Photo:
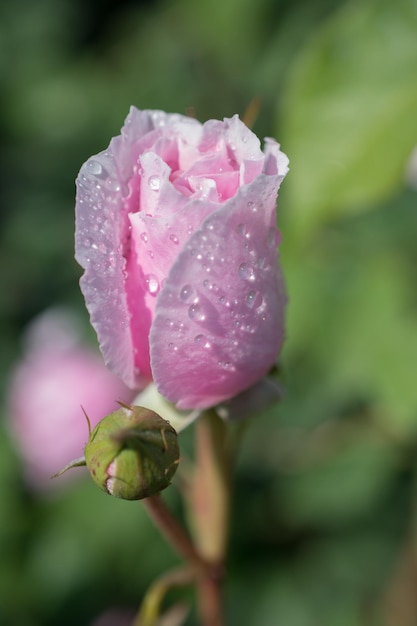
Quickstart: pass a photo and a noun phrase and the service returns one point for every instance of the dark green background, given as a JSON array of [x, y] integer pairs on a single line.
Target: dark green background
[[325, 531]]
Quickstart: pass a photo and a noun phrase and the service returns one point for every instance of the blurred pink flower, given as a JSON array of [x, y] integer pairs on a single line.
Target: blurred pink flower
[[55, 378], [176, 230]]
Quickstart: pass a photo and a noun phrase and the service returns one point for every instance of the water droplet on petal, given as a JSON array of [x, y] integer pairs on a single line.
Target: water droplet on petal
[[254, 299], [154, 183], [246, 272], [174, 239], [198, 338], [152, 283], [272, 238], [144, 237], [113, 185], [241, 229], [186, 293], [196, 313], [95, 167]]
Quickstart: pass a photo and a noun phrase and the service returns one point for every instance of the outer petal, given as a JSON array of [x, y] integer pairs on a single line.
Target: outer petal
[[219, 316], [104, 200], [101, 227]]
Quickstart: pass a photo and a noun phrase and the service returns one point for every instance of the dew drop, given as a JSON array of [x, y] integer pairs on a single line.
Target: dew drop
[[241, 229], [172, 346], [174, 239], [186, 293], [102, 247], [151, 254], [113, 185], [246, 272], [254, 299], [198, 338], [144, 237], [206, 282], [196, 313], [154, 183], [152, 283], [272, 237], [95, 167]]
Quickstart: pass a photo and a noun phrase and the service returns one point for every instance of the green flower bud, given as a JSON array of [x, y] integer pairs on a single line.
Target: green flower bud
[[132, 453]]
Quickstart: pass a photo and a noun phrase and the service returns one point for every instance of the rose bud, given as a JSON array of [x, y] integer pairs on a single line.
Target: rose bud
[[176, 231], [55, 377], [132, 453]]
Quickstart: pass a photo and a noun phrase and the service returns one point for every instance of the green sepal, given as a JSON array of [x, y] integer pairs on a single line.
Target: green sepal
[[80, 462]]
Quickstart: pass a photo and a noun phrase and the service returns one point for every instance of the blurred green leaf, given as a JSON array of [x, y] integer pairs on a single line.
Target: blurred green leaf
[[338, 474], [350, 119]]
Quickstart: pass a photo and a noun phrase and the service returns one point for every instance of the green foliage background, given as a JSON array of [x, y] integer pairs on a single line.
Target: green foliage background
[[325, 530]]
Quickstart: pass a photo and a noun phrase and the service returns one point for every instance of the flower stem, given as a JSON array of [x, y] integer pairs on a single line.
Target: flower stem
[[208, 500], [173, 532], [210, 600], [209, 507]]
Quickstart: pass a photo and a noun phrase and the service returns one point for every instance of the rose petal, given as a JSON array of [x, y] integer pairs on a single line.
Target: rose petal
[[219, 316], [276, 162], [101, 225], [155, 244], [106, 194]]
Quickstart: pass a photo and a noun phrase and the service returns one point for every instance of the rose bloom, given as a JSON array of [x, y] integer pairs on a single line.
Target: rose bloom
[[55, 378], [176, 230]]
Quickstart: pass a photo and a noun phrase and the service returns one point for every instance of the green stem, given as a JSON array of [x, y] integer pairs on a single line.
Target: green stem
[[173, 532], [209, 507], [208, 499]]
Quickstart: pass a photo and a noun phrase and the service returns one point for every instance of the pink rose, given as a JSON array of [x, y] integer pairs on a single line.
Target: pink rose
[[176, 230], [55, 378]]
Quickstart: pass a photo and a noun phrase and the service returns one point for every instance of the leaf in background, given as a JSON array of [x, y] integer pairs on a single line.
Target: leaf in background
[[350, 120]]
